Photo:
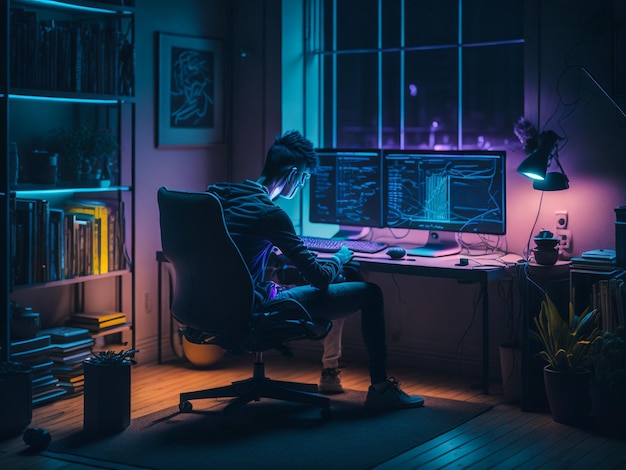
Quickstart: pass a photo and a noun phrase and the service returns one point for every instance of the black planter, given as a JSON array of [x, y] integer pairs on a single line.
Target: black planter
[[106, 398], [568, 395], [16, 402]]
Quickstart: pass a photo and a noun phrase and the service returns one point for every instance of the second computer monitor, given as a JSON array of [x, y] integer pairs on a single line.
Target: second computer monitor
[[445, 192], [346, 190]]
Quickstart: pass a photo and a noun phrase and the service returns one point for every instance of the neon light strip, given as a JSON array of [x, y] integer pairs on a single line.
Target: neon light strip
[[70, 6], [65, 100]]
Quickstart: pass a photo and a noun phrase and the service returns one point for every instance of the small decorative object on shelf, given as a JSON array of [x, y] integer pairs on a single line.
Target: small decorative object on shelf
[[107, 391], [85, 154]]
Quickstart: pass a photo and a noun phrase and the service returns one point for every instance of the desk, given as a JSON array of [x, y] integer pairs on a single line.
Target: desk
[[445, 267], [442, 267]]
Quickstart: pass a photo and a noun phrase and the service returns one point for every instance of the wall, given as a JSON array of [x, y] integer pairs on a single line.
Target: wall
[[176, 168]]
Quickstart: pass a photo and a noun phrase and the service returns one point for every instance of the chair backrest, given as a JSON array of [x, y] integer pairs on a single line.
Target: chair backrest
[[213, 288]]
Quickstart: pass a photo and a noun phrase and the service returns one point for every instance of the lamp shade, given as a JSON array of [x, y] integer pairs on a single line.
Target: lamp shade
[[536, 163], [553, 181]]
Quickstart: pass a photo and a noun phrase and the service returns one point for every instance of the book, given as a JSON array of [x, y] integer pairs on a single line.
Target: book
[[65, 334], [96, 321], [65, 348], [99, 213], [30, 344], [71, 357]]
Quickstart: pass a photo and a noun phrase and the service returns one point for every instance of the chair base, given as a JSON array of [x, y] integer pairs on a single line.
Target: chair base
[[256, 387]]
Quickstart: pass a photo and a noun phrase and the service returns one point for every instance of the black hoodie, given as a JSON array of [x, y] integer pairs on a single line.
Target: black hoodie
[[257, 225]]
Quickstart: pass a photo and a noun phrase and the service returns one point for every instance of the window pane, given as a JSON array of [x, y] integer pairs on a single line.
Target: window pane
[[391, 111], [357, 24], [431, 99], [495, 20], [357, 100], [391, 21], [431, 23], [492, 95]]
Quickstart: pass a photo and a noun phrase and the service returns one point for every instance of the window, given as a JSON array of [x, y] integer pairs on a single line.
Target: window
[[443, 74]]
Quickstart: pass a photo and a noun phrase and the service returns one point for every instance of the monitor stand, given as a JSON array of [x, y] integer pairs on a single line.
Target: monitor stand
[[438, 244], [352, 233]]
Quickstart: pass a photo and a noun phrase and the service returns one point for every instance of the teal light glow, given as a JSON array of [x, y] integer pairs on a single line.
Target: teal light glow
[[70, 6], [64, 100]]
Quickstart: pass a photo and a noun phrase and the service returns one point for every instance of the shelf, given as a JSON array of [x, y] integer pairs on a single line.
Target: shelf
[[74, 280], [27, 190], [77, 5], [67, 96], [112, 330]]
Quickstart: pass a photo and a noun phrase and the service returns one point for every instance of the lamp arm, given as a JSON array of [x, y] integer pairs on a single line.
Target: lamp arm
[[603, 91]]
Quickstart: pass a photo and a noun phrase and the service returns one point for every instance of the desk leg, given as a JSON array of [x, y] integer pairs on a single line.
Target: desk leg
[[485, 289]]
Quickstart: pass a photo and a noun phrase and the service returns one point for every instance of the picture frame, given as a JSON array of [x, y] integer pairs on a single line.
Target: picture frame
[[190, 91]]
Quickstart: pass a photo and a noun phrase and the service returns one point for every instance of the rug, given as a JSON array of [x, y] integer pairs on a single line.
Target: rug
[[269, 435]]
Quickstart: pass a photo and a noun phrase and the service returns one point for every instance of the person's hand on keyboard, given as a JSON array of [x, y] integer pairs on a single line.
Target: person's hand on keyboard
[[344, 254]]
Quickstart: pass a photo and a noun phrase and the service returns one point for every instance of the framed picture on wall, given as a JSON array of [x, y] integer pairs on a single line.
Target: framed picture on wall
[[190, 91]]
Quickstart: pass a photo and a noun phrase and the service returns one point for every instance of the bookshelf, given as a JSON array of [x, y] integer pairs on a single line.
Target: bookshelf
[[66, 188]]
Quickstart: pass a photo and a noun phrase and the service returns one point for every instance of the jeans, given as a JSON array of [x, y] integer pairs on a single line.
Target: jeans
[[342, 299]]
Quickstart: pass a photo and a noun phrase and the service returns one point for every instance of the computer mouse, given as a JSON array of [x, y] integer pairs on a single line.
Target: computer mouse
[[396, 252]]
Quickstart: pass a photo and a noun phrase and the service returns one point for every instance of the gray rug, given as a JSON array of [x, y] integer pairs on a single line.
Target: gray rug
[[269, 435]]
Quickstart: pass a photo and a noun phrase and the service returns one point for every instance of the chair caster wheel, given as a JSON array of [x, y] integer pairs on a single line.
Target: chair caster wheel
[[185, 407]]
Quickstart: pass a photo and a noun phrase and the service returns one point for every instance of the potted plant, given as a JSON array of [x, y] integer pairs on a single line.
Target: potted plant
[[85, 153], [16, 398], [566, 345], [608, 383], [107, 391]]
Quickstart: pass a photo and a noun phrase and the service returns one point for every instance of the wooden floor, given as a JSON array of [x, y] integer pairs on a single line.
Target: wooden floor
[[504, 437]]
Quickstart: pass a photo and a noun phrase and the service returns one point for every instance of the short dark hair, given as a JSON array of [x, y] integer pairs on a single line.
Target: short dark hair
[[289, 150]]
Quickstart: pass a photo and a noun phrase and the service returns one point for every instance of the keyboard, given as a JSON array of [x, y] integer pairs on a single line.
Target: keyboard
[[330, 245]]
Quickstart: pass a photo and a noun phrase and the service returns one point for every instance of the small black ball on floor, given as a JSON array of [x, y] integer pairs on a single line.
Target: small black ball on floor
[[37, 439]]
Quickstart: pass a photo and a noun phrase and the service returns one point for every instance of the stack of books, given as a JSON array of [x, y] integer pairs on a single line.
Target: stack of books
[[595, 260], [70, 346], [36, 353], [97, 322]]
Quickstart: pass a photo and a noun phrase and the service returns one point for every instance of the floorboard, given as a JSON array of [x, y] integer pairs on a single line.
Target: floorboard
[[502, 438]]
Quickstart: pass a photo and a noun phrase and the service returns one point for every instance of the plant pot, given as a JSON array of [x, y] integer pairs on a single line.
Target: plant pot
[[16, 402], [568, 395], [608, 410], [511, 371], [106, 398]]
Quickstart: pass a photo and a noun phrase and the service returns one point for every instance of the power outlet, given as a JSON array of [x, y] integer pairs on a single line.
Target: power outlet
[[565, 240], [560, 220]]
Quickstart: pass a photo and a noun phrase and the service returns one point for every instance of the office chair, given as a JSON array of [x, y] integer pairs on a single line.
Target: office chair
[[213, 298]]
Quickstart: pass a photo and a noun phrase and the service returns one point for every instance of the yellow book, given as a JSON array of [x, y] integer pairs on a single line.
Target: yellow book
[[101, 232], [99, 317]]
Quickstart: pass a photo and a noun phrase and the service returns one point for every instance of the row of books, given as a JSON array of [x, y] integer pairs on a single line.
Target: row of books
[[69, 55], [51, 244], [608, 296]]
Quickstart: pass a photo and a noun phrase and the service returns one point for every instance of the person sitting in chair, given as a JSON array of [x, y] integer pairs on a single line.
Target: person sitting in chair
[[258, 226]]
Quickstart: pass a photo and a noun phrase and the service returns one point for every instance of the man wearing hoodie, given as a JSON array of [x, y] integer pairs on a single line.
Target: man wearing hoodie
[[257, 226]]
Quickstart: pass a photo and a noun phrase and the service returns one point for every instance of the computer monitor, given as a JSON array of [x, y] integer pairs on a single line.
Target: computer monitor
[[346, 190], [444, 192]]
